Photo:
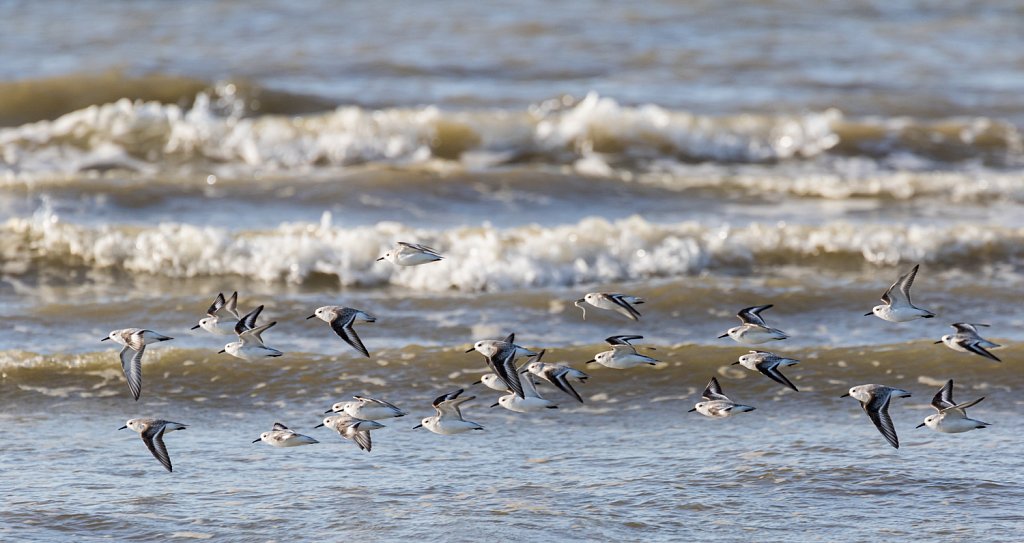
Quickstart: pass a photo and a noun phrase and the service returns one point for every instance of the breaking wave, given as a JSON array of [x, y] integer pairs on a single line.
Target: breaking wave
[[220, 131], [487, 258]]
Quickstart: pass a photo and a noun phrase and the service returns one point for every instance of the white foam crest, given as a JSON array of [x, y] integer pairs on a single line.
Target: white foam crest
[[599, 122], [485, 258], [138, 136]]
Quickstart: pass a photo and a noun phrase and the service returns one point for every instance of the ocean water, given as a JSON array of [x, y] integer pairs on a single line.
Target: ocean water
[[707, 156]]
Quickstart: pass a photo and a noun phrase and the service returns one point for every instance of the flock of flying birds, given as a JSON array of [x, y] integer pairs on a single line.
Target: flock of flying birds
[[355, 420]]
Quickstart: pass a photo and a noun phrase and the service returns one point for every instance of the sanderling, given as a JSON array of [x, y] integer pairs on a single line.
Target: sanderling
[[967, 340], [897, 306], [501, 357], [620, 303], [875, 401], [348, 427], [716, 404], [341, 320], [449, 419], [250, 344], [410, 254], [367, 409], [221, 316], [281, 436], [152, 432], [623, 354], [556, 374], [753, 330], [134, 341], [531, 401], [951, 418], [492, 381], [768, 364]]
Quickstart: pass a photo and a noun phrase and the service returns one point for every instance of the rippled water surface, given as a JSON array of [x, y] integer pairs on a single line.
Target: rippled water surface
[[707, 156]]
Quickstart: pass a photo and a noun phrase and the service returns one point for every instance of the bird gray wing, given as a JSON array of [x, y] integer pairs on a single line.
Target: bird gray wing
[[154, 439], [558, 378], [446, 397], [752, 315], [131, 364], [362, 438], [248, 322], [218, 303], [621, 340], [771, 370], [972, 346], [626, 309], [376, 401], [510, 374], [421, 248], [232, 305], [962, 408], [901, 288], [878, 411], [714, 391], [944, 397], [346, 332], [967, 328]]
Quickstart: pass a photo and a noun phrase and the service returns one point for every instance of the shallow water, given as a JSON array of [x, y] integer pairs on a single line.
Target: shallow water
[[706, 157]]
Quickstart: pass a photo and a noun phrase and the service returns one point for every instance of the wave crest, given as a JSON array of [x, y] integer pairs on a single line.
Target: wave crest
[[594, 134], [486, 258]]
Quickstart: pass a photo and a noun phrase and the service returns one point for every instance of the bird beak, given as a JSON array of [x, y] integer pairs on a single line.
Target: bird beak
[[845, 395], [591, 361], [378, 260], [734, 363], [692, 410], [328, 411], [311, 316], [868, 314], [495, 404], [939, 341], [723, 335], [222, 351], [104, 339], [471, 349], [417, 426], [256, 440], [123, 427], [477, 382], [196, 327], [318, 425], [522, 371], [919, 425]]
